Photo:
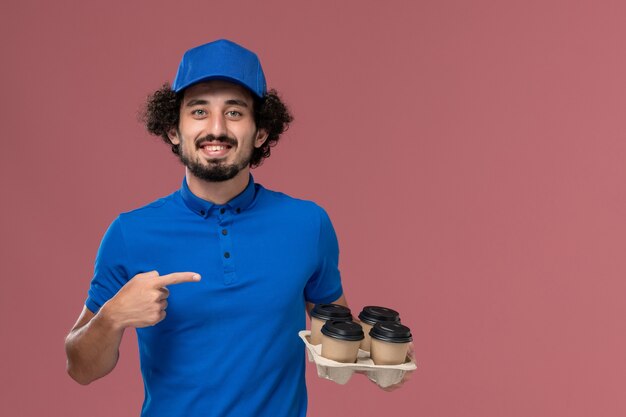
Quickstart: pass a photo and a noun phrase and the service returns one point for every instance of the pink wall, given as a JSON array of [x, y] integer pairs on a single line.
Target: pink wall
[[470, 154]]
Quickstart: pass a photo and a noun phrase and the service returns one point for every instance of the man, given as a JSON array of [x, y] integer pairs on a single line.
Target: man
[[215, 277]]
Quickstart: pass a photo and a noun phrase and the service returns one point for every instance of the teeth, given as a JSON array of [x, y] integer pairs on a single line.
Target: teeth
[[215, 148]]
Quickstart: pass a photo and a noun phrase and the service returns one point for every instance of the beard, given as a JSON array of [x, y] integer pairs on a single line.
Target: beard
[[215, 170]]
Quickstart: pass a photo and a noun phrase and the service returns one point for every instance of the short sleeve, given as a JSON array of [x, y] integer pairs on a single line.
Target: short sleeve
[[110, 272], [324, 286]]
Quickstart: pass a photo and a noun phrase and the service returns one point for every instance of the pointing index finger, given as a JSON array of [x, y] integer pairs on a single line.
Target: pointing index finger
[[176, 278]]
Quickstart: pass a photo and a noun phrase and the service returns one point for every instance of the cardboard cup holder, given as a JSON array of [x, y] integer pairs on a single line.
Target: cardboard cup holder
[[382, 375]]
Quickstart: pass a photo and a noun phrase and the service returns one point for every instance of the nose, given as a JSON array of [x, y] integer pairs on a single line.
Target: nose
[[217, 124]]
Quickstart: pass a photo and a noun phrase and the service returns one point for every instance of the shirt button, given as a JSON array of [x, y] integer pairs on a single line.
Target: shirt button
[[224, 232], [238, 210], [226, 255], [222, 210], [202, 212]]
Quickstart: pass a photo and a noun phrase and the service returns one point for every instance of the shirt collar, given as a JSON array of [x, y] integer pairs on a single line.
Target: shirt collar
[[203, 207]]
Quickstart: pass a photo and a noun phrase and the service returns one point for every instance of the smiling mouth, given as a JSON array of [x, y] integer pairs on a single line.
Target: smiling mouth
[[213, 150]]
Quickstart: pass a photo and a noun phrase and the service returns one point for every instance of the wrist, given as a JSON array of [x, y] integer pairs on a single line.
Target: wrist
[[109, 319]]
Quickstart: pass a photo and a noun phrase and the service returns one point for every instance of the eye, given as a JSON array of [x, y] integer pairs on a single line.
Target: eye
[[234, 113], [198, 112]]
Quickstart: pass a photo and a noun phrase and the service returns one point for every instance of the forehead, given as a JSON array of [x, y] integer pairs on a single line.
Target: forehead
[[218, 90]]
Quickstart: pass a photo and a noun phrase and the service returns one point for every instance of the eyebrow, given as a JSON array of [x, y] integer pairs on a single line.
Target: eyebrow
[[197, 102], [237, 102]]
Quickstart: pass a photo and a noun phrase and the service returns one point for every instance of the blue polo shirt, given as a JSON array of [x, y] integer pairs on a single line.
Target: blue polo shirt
[[229, 344]]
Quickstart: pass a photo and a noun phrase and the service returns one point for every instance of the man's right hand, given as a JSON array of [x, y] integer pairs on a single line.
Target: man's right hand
[[142, 301], [92, 345]]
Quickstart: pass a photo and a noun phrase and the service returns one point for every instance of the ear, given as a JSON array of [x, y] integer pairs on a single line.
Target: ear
[[261, 137], [172, 134]]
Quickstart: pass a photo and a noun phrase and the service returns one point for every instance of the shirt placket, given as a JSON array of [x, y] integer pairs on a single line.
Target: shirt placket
[[224, 224]]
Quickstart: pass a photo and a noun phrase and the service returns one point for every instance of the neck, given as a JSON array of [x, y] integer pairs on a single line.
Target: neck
[[218, 192]]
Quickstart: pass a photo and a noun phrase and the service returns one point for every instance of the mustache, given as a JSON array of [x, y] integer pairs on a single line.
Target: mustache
[[212, 138]]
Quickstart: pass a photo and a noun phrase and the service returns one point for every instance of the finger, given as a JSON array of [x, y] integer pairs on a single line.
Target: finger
[[149, 274], [164, 293], [163, 304], [411, 352], [162, 315], [176, 278]]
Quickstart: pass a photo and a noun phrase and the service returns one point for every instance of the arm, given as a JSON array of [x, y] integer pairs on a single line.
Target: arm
[[92, 346]]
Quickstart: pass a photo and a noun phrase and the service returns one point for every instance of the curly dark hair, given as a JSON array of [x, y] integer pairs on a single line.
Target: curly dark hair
[[161, 114]]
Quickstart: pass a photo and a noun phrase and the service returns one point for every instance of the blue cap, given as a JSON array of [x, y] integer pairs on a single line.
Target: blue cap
[[222, 60]]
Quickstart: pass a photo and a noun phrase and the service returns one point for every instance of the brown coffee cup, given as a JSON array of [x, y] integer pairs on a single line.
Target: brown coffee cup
[[324, 312], [390, 343], [341, 340], [370, 315]]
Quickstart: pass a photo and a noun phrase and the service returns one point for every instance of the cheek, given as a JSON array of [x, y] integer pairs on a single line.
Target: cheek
[[189, 127], [189, 146]]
